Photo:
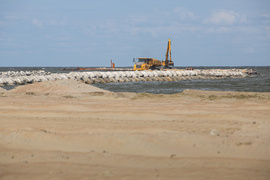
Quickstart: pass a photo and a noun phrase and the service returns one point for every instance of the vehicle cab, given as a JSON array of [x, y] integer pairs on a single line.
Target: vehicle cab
[[143, 63]]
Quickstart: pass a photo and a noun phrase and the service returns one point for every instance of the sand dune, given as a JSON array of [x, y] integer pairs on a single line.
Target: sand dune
[[69, 130]]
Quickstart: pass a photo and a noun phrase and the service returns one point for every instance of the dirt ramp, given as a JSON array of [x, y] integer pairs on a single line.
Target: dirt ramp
[[57, 87]]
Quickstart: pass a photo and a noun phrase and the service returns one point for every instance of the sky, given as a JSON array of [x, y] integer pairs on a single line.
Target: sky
[[88, 33]]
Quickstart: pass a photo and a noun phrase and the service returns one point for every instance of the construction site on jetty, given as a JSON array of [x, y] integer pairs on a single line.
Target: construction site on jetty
[[145, 69]]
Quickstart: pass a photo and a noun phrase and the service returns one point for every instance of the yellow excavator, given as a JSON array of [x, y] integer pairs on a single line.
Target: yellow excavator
[[144, 63]]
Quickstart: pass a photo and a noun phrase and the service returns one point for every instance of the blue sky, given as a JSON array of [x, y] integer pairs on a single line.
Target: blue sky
[[91, 33]]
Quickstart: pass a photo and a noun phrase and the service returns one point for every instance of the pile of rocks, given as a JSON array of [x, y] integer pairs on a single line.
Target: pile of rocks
[[23, 73], [17, 78]]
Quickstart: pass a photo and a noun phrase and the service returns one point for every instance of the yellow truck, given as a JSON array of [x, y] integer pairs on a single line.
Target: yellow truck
[[144, 63]]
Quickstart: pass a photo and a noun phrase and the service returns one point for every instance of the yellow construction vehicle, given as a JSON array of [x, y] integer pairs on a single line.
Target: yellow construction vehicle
[[144, 63]]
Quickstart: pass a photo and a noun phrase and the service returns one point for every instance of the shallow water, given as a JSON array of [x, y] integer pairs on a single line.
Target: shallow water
[[257, 83]]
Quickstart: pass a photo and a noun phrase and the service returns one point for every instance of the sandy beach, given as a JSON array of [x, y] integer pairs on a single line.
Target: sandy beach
[[70, 130]]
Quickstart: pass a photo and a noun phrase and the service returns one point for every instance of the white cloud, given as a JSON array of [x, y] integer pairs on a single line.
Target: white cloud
[[11, 17], [223, 17], [267, 29], [37, 23], [266, 16], [248, 50], [53, 22], [245, 29], [161, 23], [136, 20], [183, 13]]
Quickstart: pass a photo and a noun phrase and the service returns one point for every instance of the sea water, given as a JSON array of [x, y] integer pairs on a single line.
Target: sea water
[[254, 83]]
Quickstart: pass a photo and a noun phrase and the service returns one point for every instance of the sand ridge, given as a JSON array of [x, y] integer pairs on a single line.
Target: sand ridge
[[87, 133], [57, 87]]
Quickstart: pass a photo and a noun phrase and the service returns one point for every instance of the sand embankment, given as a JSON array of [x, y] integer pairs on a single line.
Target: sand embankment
[[58, 87], [69, 130]]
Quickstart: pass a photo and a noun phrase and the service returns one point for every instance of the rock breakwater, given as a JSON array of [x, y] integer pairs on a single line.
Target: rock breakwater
[[23, 73], [25, 77]]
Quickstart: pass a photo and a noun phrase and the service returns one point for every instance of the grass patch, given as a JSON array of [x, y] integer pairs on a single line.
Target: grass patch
[[69, 96], [212, 97], [96, 93], [30, 93], [242, 96], [147, 95], [243, 143]]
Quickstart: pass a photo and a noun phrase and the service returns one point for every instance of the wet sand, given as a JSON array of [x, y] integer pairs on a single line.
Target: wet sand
[[70, 130]]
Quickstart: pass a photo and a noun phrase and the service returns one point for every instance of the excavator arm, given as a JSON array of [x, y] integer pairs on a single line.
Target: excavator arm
[[168, 54]]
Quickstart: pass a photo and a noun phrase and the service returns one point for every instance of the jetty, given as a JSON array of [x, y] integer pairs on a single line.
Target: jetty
[[91, 77]]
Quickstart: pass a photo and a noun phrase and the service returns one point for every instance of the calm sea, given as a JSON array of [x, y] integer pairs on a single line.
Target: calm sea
[[256, 83]]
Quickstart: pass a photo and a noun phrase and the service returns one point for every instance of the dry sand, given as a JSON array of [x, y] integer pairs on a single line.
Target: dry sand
[[69, 130], [2, 90]]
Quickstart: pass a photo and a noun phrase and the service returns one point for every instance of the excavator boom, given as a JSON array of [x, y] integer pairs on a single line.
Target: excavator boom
[[168, 54]]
